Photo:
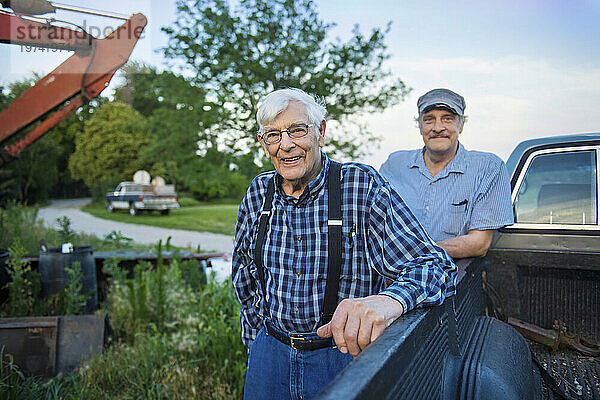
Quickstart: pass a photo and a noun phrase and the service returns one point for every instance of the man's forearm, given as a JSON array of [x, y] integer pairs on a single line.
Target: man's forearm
[[474, 244]]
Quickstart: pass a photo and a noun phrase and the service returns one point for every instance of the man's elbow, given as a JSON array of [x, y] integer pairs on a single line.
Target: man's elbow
[[481, 251], [473, 252], [482, 243]]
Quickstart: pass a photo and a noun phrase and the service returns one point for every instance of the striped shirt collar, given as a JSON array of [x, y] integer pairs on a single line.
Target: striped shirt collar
[[458, 164], [312, 189]]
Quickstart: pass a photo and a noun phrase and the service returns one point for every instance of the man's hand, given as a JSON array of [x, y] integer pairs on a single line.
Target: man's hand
[[358, 322]]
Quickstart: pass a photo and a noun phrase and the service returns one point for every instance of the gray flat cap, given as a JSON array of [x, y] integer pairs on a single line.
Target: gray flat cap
[[441, 98]]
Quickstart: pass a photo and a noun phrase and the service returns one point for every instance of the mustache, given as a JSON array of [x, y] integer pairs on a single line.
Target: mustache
[[438, 136]]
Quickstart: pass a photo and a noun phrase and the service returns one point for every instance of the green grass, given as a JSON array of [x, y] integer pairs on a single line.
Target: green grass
[[194, 216]]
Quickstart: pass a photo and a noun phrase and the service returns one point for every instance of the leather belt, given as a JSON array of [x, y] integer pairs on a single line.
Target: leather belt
[[300, 341]]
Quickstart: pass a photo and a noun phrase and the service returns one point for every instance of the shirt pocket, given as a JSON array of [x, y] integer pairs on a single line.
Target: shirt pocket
[[352, 255], [456, 217]]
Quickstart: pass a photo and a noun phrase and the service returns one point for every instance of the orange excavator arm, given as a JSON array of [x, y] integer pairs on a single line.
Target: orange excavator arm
[[78, 79]]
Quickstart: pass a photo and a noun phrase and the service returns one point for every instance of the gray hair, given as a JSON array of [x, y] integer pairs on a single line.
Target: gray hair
[[277, 101]]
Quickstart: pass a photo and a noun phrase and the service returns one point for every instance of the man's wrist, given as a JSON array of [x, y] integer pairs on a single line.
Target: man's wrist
[[396, 303]]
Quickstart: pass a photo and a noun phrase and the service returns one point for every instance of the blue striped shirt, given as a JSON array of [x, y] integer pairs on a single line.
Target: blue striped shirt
[[381, 238], [472, 192]]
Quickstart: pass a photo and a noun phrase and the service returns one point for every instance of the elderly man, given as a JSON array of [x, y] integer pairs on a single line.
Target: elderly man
[[314, 243], [459, 196]]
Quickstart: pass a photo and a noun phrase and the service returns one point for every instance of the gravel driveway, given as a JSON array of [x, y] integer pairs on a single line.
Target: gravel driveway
[[84, 222]]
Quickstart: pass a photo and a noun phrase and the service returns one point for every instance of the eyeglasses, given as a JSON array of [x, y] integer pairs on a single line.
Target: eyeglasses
[[295, 131]]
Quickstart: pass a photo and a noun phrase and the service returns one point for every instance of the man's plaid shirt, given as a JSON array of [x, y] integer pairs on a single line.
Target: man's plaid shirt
[[381, 238]]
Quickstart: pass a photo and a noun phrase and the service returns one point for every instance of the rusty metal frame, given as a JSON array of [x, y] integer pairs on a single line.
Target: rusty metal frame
[[81, 77]]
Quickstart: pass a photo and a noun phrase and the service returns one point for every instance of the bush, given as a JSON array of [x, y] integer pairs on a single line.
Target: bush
[[176, 336], [198, 324], [117, 240]]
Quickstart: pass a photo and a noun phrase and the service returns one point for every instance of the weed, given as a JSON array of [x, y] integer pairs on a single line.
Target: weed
[[66, 233], [15, 385], [21, 224], [24, 289], [159, 286], [75, 300], [111, 268], [117, 240]]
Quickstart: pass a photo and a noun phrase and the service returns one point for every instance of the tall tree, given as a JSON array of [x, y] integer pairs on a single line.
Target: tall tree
[[179, 147], [65, 134], [177, 110], [108, 149], [240, 53]]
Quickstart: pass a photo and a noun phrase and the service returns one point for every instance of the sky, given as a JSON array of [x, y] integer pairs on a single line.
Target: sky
[[527, 68]]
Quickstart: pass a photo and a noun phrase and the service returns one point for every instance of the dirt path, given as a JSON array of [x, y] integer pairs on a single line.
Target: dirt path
[[84, 222]]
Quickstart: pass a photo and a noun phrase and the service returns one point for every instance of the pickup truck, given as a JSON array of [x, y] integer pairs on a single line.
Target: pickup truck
[[541, 276], [139, 196]]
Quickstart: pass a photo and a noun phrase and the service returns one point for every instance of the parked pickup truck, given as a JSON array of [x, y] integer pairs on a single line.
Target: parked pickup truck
[[541, 275], [139, 196]]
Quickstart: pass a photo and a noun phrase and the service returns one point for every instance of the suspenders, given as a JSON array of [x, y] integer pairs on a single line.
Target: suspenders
[[262, 229], [334, 240]]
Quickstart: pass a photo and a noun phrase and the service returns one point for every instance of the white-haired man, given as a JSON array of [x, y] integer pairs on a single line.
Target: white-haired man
[[314, 243], [459, 196]]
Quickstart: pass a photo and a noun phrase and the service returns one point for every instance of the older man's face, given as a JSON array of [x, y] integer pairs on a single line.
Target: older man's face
[[440, 129], [298, 161]]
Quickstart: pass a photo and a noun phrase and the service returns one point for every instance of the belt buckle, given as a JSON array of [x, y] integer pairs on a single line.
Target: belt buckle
[[295, 338]]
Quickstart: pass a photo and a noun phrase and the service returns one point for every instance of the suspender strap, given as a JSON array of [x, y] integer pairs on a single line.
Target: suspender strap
[[334, 245], [262, 229]]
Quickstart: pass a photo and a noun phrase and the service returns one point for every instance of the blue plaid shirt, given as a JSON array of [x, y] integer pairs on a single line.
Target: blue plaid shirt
[[382, 238]]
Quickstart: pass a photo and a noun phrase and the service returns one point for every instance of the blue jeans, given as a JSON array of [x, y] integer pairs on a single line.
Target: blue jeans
[[276, 371]]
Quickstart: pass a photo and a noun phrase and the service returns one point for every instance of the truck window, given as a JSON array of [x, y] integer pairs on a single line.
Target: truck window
[[559, 188], [133, 188]]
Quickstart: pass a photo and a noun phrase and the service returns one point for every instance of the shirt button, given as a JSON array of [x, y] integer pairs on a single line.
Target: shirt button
[[296, 308], [298, 274], [299, 238], [427, 208]]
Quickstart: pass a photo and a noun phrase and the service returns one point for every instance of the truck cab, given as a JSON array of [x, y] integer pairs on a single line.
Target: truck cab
[[546, 266], [135, 197]]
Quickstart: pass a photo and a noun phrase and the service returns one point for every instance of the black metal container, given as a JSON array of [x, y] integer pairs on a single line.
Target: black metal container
[[54, 277]]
